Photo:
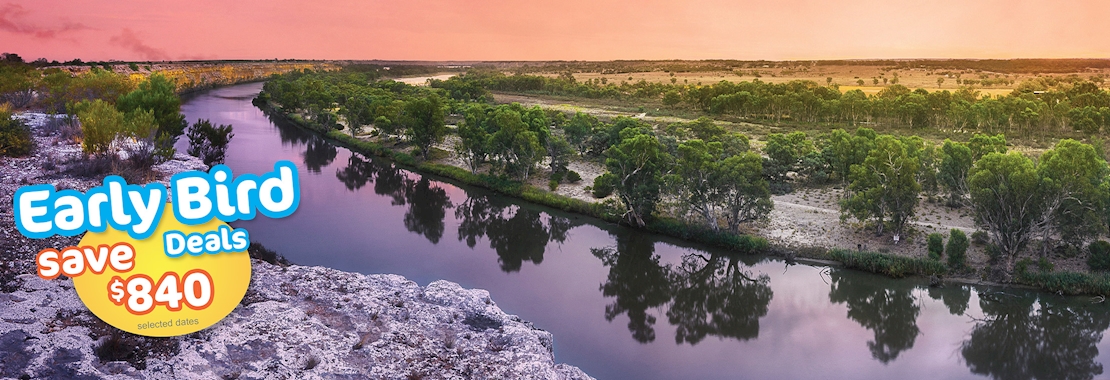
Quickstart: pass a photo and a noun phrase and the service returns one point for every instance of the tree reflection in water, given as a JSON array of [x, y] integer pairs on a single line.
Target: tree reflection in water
[[887, 308], [517, 234], [428, 203], [318, 154], [1026, 337], [714, 296], [707, 294]]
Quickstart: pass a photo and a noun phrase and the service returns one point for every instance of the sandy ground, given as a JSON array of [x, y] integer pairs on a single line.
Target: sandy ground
[[811, 218]]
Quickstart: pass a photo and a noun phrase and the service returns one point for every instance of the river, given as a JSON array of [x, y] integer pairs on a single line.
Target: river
[[624, 304]]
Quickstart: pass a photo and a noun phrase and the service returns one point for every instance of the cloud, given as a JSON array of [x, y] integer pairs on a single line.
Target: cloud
[[9, 21], [129, 40]]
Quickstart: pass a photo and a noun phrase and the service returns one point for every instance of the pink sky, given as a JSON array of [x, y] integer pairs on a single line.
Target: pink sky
[[552, 30]]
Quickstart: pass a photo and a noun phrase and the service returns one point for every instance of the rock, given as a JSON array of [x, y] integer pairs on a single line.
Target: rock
[[301, 322], [294, 322]]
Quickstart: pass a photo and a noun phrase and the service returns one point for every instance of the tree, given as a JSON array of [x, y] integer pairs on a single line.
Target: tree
[[884, 187], [357, 112], [579, 128], [1006, 197], [983, 144], [744, 190], [671, 98], [516, 148], [209, 142], [158, 95], [956, 160], [423, 119], [785, 153], [1071, 173], [474, 141], [636, 162]]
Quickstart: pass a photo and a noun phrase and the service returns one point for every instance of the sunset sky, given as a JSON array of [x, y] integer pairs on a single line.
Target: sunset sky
[[552, 30]]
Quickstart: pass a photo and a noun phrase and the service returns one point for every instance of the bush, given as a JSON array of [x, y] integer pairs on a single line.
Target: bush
[[557, 176], [603, 185], [552, 185], [1066, 282], [979, 237], [100, 124], [935, 243], [1044, 265], [957, 249], [15, 138], [1099, 259], [573, 176], [208, 142], [890, 265]]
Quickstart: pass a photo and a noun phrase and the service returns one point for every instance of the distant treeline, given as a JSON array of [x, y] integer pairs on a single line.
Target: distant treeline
[[1038, 106], [1009, 66]]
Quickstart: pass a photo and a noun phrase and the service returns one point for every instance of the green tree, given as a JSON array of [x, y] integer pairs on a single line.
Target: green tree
[[474, 141], [955, 163], [983, 144], [516, 148], [785, 153], [1006, 197], [423, 119], [158, 95], [579, 128], [1072, 173], [636, 163], [743, 188], [884, 187], [671, 98]]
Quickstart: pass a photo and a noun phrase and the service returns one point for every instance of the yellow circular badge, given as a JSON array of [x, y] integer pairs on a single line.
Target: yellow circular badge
[[162, 295]]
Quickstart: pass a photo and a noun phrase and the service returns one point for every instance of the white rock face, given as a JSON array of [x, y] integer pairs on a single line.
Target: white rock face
[[351, 325]]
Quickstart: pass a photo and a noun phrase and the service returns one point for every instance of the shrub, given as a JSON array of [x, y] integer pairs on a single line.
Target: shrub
[[552, 185], [557, 176], [957, 249], [1066, 282], [1099, 259], [890, 265], [100, 124], [1044, 265], [573, 176], [935, 243], [15, 138], [603, 185], [979, 237], [208, 142]]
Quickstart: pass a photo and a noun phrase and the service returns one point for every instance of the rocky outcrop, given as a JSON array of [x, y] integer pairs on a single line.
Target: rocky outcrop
[[295, 322]]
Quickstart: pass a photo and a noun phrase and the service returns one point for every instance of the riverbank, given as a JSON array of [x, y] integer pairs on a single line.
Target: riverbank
[[294, 322], [805, 224]]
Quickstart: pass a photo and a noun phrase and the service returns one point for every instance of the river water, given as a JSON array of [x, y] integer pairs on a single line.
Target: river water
[[624, 304]]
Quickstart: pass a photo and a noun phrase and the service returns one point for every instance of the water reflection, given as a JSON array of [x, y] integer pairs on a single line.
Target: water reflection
[[1026, 337], [707, 294], [887, 308], [955, 298], [517, 234], [427, 201]]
